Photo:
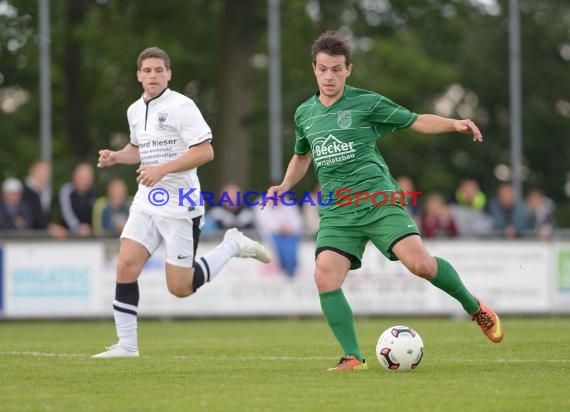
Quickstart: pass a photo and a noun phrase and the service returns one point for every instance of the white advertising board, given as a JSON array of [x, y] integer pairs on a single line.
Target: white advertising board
[[62, 279], [45, 279]]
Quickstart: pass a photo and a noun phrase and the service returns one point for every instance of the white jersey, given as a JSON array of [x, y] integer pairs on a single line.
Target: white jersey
[[163, 129]]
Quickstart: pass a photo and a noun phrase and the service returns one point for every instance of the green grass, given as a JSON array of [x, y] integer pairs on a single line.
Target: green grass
[[279, 365]]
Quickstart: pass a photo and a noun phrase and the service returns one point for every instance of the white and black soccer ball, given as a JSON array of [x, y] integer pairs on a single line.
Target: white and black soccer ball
[[400, 348]]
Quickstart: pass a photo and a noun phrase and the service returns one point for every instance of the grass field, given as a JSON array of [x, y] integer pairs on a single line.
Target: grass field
[[280, 365]]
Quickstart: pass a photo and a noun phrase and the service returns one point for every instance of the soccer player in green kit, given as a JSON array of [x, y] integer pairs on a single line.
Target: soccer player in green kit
[[337, 129]]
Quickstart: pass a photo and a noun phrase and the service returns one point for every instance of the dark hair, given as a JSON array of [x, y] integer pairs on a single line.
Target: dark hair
[[153, 52], [333, 44]]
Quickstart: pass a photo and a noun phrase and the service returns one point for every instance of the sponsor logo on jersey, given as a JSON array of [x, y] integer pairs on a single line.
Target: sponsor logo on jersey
[[161, 121], [344, 119], [329, 150]]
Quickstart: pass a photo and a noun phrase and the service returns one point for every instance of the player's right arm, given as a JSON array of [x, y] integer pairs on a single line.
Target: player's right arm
[[299, 163], [128, 155], [296, 169]]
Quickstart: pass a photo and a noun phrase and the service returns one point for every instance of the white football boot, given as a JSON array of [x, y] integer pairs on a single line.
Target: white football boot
[[117, 351], [248, 248]]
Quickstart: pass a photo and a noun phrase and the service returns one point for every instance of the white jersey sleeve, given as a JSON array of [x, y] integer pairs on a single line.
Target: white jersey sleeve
[[131, 118], [192, 127]]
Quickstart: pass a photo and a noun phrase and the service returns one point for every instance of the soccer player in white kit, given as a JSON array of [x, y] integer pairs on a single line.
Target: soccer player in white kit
[[170, 139]]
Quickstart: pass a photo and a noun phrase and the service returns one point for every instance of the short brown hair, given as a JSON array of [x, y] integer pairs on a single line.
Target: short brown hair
[[333, 44], [153, 52]]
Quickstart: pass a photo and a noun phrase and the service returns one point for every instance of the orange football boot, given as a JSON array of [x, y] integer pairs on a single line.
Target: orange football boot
[[349, 362], [489, 322]]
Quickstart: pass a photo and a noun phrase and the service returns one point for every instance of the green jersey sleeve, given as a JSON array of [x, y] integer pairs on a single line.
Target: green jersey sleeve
[[301, 143], [389, 116]]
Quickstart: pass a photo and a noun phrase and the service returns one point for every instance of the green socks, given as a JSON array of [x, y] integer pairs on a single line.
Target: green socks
[[339, 316], [449, 281]]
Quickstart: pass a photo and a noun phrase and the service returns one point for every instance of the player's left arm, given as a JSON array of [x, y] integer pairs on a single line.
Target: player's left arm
[[432, 124], [195, 156]]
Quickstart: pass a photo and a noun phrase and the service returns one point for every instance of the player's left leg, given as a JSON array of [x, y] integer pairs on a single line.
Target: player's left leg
[[247, 248], [415, 257], [184, 274]]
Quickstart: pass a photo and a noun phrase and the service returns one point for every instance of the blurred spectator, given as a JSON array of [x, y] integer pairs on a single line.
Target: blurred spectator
[[508, 213], [437, 219], [110, 212], [37, 193], [15, 214], [76, 200], [231, 212], [468, 194], [282, 227], [469, 210], [471, 222], [311, 213], [413, 206], [540, 212]]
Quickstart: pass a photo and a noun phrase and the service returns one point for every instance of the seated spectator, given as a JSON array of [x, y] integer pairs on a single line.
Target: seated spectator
[[469, 210], [468, 194], [15, 213], [413, 206], [110, 212], [230, 212], [437, 219], [282, 227], [508, 213], [471, 222], [76, 200], [37, 193], [540, 212]]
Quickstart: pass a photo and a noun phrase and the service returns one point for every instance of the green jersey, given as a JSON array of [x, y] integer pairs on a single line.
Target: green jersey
[[342, 141]]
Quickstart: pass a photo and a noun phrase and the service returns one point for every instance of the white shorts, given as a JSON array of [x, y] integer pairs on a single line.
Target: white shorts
[[180, 236]]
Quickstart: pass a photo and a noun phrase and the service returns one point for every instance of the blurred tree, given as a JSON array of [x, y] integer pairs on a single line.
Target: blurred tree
[[447, 56], [330, 14], [77, 89], [241, 25], [18, 87]]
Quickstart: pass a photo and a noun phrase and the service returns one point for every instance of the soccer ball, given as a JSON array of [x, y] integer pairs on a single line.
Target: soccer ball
[[399, 348]]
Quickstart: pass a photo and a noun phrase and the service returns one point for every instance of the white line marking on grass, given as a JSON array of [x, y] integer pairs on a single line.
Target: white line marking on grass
[[45, 354], [490, 360], [189, 357], [269, 358], [255, 358]]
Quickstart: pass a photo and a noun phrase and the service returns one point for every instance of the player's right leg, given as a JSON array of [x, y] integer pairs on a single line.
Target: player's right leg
[[132, 257], [139, 239], [331, 270]]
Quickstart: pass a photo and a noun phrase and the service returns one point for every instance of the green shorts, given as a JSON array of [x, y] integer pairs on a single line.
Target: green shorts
[[348, 234]]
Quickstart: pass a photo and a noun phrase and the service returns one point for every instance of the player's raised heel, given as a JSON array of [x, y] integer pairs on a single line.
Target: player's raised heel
[[117, 351], [248, 248], [349, 363], [489, 322]]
